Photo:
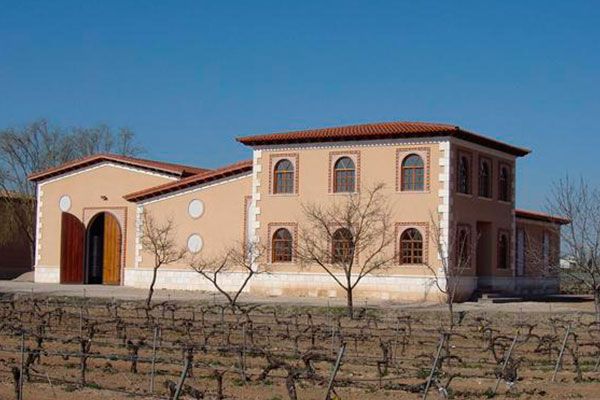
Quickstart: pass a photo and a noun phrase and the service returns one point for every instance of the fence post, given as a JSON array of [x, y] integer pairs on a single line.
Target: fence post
[[21, 378], [153, 360], [332, 338], [562, 350], [434, 366], [243, 366], [182, 379], [51, 385], [395, 355], [335, 370], [512, 346], [81, 320]]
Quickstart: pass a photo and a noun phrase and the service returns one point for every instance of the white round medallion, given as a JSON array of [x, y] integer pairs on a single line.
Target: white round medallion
[[194, 243], [196, 208], [65, 203]]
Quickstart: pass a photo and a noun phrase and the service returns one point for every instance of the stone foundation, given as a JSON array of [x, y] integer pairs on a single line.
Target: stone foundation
[[393, 288], [409, 288], [46, 274]]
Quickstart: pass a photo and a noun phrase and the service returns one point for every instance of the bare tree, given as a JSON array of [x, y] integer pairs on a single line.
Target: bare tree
[[242, 258], [101, 139], [38, 146], [578, 203], [349, 239], [159, 240], [35, 147], [455, 249]]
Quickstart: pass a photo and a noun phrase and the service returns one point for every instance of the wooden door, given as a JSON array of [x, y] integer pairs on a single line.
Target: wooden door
[[111, 274], [72, 239]]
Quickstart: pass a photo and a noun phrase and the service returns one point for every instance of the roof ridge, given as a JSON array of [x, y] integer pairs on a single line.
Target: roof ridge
[[148, 160], [364, 124]]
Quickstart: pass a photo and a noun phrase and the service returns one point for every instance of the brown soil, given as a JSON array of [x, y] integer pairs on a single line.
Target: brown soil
[[410, 339]]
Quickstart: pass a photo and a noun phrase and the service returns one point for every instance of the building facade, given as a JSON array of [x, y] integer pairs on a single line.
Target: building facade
[[444, 185]]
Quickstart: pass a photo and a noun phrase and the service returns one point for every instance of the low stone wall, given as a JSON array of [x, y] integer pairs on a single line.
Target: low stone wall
[[409, 288], [393, 288], [179, 279], [46, 274]]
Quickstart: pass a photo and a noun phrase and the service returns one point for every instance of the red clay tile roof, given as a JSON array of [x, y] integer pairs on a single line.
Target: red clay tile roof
[[157, 166], [223, 172], [382, 130], [542, 217]]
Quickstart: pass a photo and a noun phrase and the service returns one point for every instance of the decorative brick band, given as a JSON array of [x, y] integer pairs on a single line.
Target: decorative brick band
[[336, 155], [422, 227], [295, 160], [424, 153], [272, 227]]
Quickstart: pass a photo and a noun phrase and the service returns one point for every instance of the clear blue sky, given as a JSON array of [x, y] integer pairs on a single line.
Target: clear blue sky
[[188, 77]]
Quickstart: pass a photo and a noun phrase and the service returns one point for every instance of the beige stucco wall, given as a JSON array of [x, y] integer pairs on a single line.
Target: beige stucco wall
[[471, 208], [243, 207], [376, 162], [221, 226], [85, 188]]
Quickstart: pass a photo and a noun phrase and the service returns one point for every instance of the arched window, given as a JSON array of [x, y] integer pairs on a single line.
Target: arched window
[[413, 173], [503, 251], [344, 175], [282, 246], [342, 246], [485, 178], [464, 175], [411, 247], [504, 184], [284, 177]]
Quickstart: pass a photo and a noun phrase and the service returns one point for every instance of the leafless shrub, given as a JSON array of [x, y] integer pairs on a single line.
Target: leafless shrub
[[242, 258], [158, 238]]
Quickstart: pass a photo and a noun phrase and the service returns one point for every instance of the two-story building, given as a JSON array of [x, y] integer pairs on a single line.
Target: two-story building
[[442, 183]]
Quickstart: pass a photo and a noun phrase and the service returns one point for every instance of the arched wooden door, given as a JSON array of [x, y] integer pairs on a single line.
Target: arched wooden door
[[72, 238], [111, 255]]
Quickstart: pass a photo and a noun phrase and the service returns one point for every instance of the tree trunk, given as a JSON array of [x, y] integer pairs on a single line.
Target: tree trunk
[[349, 303], [151, 289]]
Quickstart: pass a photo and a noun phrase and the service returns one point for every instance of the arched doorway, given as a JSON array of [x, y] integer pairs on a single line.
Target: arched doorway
[[103, 250]]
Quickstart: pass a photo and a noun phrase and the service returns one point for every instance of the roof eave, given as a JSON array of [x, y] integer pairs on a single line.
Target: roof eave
[[260, 140], [541, 217], [100, 158], [146, 194]]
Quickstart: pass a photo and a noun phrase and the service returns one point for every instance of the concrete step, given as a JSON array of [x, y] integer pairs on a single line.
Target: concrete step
[[507, 299], [497, 297]]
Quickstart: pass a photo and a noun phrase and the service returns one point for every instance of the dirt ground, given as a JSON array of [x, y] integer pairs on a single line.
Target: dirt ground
[[389, 353], [127, 293]]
